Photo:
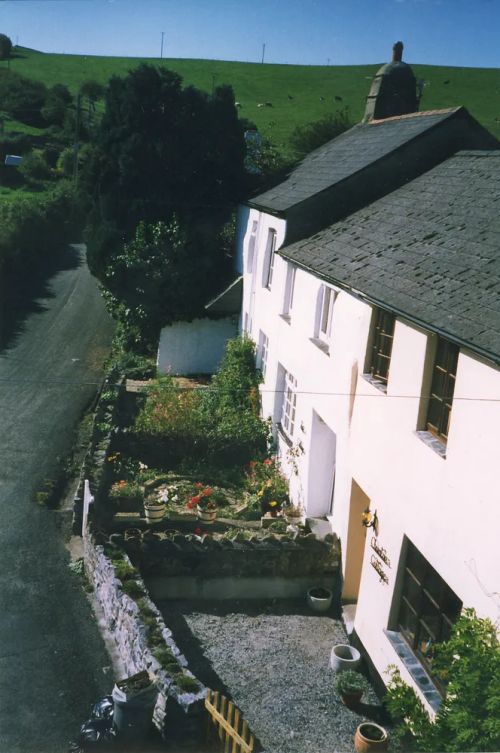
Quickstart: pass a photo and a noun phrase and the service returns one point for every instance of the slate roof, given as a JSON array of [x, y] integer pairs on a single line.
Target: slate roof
[[352, 151], [429, 251]]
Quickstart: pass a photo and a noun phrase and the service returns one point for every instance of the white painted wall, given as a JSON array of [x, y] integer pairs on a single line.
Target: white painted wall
[[447, 507], [194, 347]]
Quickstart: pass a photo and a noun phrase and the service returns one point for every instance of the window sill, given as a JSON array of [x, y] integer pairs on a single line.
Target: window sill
[[433, 442], [321, 344], [284, 436], [286, 318], [377, 383], [416, 670]]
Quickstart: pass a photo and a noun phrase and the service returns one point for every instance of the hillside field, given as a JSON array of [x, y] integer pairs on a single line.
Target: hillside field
[[297, 94]]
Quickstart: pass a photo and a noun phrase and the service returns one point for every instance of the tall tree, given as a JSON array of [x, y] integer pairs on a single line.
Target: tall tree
[[5, 46], [166, 150], [164, 154]]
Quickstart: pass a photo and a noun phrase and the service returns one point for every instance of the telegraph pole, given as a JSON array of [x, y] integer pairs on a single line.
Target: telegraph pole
[[263, 51], [161, 50], [77, 135]]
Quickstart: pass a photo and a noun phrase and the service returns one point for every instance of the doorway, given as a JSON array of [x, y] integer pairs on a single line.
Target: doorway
[[321, 480], [355, 543]]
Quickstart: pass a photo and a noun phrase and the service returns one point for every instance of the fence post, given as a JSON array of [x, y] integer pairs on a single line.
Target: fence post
[[88, 500]]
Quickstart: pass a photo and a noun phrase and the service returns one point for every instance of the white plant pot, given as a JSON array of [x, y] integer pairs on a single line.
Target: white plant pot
[[344, 657], [154, 512], [319, 603]]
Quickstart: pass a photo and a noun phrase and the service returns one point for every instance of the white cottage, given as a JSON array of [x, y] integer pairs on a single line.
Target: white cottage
[[371, 285]]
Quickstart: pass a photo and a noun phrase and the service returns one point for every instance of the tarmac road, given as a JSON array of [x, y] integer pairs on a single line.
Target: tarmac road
[[51, 653]]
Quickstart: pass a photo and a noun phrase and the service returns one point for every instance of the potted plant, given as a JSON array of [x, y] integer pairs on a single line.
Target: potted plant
[[293, 514], [370, 737], [351, 686], [319, 598], [126, 495], [205, 507], [154, 510]]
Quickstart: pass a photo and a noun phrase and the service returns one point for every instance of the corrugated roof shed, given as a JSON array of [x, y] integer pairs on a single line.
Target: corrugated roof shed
[[430, 251]]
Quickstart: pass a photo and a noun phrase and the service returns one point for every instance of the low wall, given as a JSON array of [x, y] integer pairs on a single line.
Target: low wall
[[177, 713], [183, 566]]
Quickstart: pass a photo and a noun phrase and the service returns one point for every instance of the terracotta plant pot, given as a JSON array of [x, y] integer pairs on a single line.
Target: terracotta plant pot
[[319, 599], [370, 737]]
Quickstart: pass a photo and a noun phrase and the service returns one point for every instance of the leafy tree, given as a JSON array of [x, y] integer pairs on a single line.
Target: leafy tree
[[5, 46], [164, 273], [92, 91], [56, 104], [306, 138], [22, 97], [469, 716], [164, 178], [34, 168], [167, 150]]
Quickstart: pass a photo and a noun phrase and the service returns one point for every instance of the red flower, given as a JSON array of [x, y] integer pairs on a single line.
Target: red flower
[[198, 485], [267, 461], [207, 492], [193, 501]]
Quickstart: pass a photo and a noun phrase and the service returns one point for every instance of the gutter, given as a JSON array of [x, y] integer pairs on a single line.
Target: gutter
[[367, 298]]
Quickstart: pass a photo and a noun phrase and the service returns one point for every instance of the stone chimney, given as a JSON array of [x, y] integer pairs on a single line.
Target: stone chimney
[[393, 90]]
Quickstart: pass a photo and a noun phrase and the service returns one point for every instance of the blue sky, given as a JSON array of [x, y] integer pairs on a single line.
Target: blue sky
[[313, 32]]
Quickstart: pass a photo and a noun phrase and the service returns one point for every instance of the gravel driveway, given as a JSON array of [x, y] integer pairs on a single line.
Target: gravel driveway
[[274, 663]]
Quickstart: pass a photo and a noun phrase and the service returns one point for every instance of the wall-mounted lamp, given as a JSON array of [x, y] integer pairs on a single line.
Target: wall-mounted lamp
[[369, 519]]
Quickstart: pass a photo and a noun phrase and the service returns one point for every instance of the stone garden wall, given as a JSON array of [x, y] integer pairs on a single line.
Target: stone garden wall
[[249, 566], [176, 711]]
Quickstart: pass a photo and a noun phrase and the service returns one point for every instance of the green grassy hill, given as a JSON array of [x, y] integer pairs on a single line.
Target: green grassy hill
[[298, 94]]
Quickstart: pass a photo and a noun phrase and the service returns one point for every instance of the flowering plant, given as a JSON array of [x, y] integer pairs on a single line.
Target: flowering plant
[[124, 488], [201, 499], [266, 482]]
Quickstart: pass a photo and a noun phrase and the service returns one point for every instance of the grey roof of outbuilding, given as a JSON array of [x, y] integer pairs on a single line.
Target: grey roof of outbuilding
[[229, 301], [352, 151], [429, 251]]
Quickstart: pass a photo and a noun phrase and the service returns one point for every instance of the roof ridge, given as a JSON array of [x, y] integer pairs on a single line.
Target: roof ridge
[[416, 115]]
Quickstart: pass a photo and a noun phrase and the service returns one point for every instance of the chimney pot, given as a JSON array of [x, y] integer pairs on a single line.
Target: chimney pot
[[397, 52]]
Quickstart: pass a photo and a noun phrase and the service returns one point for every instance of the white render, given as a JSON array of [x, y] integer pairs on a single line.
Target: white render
[[194, 347], [352, 438]]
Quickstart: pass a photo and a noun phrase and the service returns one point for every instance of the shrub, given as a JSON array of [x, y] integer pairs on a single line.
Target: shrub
[[306, 138], [34, 167], [469, 716], [350, 682], [266, 482], [220, 424], [186, 683], [32, 228], [124, 571], [133, 589]]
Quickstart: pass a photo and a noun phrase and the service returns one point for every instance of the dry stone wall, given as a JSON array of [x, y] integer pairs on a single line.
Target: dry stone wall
[[124, 623]]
